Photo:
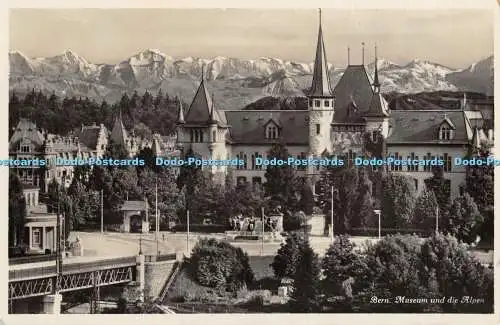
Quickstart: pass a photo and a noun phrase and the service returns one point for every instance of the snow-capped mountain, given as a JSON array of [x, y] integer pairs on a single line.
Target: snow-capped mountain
[[234, 82], [477, 77]]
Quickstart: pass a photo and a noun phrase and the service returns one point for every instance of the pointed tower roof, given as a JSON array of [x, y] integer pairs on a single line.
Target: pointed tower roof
[[118, 134], [199, 110], [180, 115], [321, 80], [476, 139], [376, 83]]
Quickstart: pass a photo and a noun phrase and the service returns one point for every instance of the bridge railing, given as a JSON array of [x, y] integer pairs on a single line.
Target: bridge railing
[[111, 262], [160, 258], [36, 272], [32, 259]]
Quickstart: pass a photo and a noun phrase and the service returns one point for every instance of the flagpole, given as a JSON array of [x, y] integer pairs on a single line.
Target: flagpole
[[157, 217], [102, 211], [437, 220], [263, 230], [187, 224], [331, 217]]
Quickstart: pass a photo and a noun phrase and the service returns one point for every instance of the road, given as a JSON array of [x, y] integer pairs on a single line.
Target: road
[[122, 244]]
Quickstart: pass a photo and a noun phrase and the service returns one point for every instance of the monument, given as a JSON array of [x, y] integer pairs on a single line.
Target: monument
[[251, 228]]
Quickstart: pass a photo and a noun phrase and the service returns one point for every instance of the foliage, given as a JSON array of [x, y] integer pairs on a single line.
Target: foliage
[[425, 210], [441, 188], [17, 210], [246, 199], [480, 185], [285, 261], [340, 263], [306, 281], [457, 273], [463, 219], [282, 185], [398, 201], [219, 265], [61, 115], [306, 202], [395, 270], [352, 197], [190, 179], [85, 203]]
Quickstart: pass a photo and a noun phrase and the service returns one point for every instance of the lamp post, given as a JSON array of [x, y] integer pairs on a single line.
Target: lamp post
[[378, 212], [437, 220]]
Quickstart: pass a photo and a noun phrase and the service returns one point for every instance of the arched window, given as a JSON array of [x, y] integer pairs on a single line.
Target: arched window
[[272, 132]]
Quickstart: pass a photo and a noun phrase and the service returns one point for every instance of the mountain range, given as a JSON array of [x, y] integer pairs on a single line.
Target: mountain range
[[234, 83]]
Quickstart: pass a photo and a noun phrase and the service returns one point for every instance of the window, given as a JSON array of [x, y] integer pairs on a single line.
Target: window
[[241, 180], [317, 103], [214, 136], [256, 181], [427, 166], [327, 103], [196, 135], [318, 129], [413, 167], [272, 132], [310, 103], [374, 136], [242, 156], [36, 237], [254, 162], [416, 183], [395, 167], [447, 162], [445, 133], [301, 157], [25, 149]]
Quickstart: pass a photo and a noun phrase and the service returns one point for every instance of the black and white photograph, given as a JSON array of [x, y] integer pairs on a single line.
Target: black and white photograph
[[250, 161]]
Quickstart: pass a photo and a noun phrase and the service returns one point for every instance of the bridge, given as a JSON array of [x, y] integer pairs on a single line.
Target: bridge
[[29, 279]]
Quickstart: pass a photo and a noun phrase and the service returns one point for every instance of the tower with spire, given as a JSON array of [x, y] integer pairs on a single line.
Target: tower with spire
[[321, 101], [202, 128], [377, 116]]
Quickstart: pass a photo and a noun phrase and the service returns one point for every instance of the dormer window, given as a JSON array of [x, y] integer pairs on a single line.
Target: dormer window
[[272, 132], [25, 149], [317, 103], [327, 103], [445, 132]]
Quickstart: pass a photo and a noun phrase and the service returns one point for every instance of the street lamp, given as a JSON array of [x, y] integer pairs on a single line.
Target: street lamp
[[378, 213]]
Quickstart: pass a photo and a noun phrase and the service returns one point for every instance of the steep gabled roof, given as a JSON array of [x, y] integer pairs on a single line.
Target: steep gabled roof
[[448, 121], [118, 134], [248, 127], [321, 80], [354, 85], [414, 127], [378, 107], [26, 130], [89, 136]]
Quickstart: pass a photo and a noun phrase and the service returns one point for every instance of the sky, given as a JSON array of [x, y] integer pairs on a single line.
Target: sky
[[455, 38]]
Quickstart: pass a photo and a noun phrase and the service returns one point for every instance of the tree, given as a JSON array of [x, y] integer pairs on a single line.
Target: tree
[[341, 263], [441, 188], [463, 219], [85, 205], [190, 178], [17, 210], [219, 265], [398, 200], [394, 269], [306, 202], [116, 151], [281, 183], [425, 210], [285, 262], [480, 185], [246, 199], [457, 274], [306, 283]]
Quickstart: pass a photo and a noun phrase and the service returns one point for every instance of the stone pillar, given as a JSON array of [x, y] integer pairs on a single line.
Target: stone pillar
[[52, 304], [30, 234], [126, 222], [44, 238], [141, 270]]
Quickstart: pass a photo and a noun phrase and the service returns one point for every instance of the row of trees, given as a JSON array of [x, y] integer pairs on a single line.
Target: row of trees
[[347, 279], [144, 113]]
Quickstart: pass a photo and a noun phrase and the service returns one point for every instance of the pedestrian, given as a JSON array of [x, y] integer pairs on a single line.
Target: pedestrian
[[163, 236]]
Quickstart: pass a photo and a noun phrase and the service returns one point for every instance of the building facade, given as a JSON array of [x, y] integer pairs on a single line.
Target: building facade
[[335, 123]]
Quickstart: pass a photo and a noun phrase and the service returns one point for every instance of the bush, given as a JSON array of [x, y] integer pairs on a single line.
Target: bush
[[217, 264]]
